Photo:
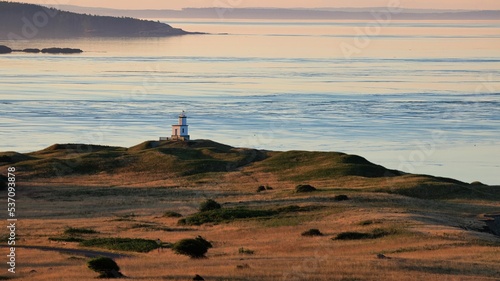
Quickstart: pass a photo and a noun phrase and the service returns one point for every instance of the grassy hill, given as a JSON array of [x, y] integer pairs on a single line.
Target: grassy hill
[[203, 162], [373, 223], [27, 21]]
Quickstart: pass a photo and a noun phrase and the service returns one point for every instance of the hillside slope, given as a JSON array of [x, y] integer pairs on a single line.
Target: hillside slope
[[26, 21], [211, 164]]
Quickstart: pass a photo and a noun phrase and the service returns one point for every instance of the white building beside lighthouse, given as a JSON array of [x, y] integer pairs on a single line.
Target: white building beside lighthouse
[[180, 130]]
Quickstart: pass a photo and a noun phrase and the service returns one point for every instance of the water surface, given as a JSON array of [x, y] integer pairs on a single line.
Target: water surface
[[422, 97]]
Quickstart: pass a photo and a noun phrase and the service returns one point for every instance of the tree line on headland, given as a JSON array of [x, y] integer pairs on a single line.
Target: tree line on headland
[[54, 50], [20, 21]]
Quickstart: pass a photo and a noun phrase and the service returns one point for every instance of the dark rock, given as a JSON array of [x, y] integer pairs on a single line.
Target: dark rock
[[5, 50], [198, 277], [34, 51], [261, 188], [61, 51], [304, 188]]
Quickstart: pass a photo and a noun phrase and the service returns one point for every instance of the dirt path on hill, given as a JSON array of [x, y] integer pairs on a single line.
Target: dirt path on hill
[[78, 252]]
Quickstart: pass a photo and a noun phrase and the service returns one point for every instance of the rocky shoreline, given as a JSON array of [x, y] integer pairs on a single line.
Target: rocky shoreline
[[53, 50]]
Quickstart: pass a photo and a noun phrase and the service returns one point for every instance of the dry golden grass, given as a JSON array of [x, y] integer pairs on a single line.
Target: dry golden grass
[[434, 240], [431, 244]]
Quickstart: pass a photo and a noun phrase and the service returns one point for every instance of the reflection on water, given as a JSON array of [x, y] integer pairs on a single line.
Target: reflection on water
[[422, 97]]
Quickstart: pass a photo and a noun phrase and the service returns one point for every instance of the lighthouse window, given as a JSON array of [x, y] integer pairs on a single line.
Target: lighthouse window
[[182, 130]]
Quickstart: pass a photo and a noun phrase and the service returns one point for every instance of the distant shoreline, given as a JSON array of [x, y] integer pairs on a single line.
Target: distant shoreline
[[22, 22]]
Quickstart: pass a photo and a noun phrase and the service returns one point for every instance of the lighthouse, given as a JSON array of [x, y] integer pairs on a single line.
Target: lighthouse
[[180, 130]]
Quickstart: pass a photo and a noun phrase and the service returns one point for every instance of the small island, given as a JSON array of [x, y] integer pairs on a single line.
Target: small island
[[53, 50]]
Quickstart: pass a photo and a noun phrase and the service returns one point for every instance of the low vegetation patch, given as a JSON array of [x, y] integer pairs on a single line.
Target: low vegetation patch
[[224, 215], [122, 244], [77, 231], [312, 232], [68, 239], [304, 188], [73, 234], [231, 214], [376, 233]]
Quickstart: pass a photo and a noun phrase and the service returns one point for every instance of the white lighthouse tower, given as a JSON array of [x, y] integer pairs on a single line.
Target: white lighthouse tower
[[180, 130]]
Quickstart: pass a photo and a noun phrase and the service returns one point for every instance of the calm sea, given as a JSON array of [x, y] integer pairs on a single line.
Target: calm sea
[[423, 97]]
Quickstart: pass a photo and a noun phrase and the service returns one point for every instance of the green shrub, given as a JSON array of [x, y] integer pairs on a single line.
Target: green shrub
[[172, 214], [74, 231], [106, 267], [209, 205], [224, 215], [245, 251], [122, 244], [304, 188], [312, 232], [194, 248], [66, 239]]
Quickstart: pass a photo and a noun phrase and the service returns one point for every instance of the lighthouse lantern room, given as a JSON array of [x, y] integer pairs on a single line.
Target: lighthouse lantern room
[[180, 130]]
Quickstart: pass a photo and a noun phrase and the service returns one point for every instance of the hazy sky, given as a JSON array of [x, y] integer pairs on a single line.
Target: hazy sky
[[178, 4]]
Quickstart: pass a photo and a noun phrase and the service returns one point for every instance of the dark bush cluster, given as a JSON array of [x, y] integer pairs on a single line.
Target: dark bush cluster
[[304, 188], [106, 267], [341, 198], [312, 232], [209, 205], [194, 248], [376, 233]]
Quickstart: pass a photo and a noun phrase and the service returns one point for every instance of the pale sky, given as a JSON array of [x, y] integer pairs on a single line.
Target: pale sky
[[179, 4]]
